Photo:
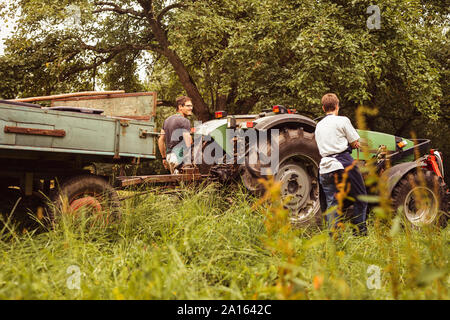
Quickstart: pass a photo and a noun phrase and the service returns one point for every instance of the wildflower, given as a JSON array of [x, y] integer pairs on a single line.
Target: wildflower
[[317, 281]]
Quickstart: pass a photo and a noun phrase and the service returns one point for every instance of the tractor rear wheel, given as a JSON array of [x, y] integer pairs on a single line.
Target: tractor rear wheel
[[297, 170], [422, 200], [88, 193]]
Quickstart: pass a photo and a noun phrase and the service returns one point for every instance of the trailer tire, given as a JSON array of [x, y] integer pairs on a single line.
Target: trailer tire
[[87, 191], [434, 210]]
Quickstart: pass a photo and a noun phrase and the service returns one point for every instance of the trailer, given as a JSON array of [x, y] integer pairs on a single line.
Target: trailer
[[46, 151]]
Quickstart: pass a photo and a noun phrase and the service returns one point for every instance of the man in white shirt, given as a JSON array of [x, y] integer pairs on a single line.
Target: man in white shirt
[[336, 137]]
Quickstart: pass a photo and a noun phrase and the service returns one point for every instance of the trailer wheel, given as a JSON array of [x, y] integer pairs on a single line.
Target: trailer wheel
[[422, 200], [87, 193]]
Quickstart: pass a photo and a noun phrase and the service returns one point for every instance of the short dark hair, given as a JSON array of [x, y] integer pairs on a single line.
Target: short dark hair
[[182, 100], [330, 102]]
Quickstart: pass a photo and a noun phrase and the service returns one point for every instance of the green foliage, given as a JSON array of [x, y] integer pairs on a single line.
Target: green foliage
[[292, 52], [120, 73], [248, 52]]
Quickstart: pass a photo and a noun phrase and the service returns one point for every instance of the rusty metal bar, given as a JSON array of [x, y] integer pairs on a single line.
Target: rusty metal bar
[[114, 94], [144, 118], [68, 95], [164, 178], [33, 131], [144, 133]]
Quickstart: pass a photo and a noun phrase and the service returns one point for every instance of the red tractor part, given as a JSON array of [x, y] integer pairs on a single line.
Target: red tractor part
[[432, 163]]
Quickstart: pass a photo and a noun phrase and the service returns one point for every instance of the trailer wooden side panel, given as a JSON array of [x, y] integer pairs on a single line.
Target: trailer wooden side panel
[[45, 130], [139, 106]]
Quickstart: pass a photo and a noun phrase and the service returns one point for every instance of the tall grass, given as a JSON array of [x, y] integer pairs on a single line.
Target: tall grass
[[211, 242], [219, 242]]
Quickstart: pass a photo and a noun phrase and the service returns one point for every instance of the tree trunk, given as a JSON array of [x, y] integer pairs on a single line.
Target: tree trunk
[[248, 104], [201, 109], [221, 103]]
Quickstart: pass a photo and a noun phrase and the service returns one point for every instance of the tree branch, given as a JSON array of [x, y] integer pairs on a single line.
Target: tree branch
[[147, 7], [92, 65], [117, 9], [120, 48], [167, 9]]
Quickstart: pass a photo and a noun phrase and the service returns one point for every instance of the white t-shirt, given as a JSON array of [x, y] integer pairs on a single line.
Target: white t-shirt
[[333, 135]]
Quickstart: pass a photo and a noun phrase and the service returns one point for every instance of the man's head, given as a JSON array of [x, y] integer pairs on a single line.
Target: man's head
[[330, 103], [184, 105]]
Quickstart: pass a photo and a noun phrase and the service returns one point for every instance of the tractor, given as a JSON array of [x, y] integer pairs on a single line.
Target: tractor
[[410, 167]]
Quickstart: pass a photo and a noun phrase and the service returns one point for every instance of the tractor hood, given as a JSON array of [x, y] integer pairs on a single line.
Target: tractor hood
[[216, 129], [373, 140]]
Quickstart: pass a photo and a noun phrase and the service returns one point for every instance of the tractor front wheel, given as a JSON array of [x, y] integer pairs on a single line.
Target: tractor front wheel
[[421, 199]]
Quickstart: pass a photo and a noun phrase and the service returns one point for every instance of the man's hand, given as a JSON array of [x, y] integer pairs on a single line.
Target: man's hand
[[355, 144], [165, 164]]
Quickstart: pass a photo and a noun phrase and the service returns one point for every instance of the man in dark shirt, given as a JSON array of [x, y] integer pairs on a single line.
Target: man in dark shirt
[[175, 140]]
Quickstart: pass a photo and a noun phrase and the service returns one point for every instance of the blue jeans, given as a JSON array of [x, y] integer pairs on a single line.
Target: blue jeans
[[357, 188]]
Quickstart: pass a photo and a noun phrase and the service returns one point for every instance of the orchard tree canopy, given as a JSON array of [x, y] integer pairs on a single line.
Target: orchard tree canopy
[[242, 56], [237, 55]]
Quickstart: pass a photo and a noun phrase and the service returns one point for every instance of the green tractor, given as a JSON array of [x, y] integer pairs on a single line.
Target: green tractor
[[229, 150]]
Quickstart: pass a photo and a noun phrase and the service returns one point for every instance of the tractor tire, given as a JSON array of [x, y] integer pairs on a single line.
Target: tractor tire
[[87, 192], [432, 209], [297, 171]]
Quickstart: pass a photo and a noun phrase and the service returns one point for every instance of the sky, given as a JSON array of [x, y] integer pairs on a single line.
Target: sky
[[4, 32], [5, 29]]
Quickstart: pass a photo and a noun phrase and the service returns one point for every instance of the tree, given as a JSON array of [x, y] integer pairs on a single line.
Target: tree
[[240, 55], [265, 52], [107, 29]]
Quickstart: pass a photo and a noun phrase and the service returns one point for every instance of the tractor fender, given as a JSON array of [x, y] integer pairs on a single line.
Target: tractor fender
[[397, 172], [289, 120]]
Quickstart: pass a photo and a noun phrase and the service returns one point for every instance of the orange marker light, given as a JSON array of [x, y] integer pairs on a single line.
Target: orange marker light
[[401, 144], [220, 114], [276, 109], [250, 124]]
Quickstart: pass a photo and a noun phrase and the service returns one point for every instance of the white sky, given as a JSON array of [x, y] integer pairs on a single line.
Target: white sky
[[5, 29], [4, 32]]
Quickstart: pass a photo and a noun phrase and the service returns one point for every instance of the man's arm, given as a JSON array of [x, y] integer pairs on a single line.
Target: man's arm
[[351, 134], [162, 147]]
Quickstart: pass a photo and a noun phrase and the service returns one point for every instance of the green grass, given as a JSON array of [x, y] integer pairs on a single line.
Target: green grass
[[208, 243]]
